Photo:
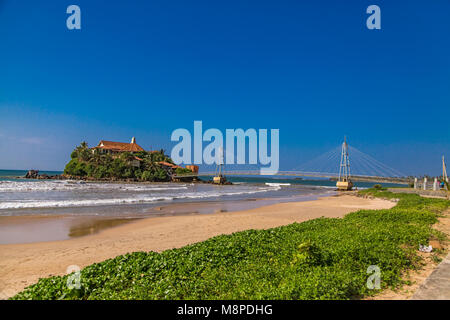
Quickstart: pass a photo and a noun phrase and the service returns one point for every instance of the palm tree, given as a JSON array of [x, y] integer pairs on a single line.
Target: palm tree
[[82, 151], [97, 158]]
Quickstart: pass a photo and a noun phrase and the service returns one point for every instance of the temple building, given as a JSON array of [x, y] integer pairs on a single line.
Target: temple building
[[112, 147]]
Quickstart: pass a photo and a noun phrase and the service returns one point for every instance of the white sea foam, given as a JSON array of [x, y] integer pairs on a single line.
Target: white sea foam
[[67, 185], [272, 184], [75, 203], [118, 197]]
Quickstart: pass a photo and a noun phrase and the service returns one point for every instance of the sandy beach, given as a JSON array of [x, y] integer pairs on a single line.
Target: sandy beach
[[23, 264]]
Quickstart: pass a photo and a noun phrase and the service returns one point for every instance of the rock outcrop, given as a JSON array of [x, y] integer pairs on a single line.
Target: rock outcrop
[[32, 174]]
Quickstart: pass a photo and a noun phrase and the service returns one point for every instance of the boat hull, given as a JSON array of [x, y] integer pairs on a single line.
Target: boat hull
[[344, 185]]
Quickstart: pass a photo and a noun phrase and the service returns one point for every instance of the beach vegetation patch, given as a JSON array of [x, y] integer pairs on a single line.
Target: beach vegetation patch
[[324, 258]]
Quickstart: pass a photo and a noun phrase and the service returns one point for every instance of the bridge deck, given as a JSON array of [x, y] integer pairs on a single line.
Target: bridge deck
[[303, 174]]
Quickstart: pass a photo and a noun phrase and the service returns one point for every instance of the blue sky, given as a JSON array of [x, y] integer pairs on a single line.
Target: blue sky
[[145, 68]]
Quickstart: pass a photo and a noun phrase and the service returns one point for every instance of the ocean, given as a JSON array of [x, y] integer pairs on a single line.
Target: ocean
[[19, 196]]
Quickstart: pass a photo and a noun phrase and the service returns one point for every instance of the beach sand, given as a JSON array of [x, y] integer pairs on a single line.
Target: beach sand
[[417, 277], [23, 264]]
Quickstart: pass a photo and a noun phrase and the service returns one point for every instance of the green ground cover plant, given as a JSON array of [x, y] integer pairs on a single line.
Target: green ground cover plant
[[325, 258]]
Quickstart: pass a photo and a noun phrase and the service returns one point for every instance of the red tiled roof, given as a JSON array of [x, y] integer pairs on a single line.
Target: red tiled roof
[[167, 164], [119, 146]]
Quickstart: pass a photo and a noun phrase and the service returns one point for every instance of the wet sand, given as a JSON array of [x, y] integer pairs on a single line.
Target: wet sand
[[51, 227], [23, 264], [30, 229]]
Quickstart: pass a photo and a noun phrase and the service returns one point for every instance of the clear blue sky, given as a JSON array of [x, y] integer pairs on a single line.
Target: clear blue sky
[[144, 68]]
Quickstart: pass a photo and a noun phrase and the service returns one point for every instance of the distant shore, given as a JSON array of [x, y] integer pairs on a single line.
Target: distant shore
[[24, 264]]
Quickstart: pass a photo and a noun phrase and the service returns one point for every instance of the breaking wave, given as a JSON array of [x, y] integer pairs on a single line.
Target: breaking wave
[[67, 185], [65, 194]]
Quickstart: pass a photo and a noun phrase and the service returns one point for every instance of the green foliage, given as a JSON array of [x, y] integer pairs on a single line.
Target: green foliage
[[181, 171], [87, 162], [100, 172], [90, 169], [76, 167], [147, 176], [308, 254], [410, 200], [325, 258], [161, 174], [70, 167], [117, 168], [82, 152]]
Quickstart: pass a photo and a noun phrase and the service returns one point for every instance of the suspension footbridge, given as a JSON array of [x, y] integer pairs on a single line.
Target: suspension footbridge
[[341, 163]]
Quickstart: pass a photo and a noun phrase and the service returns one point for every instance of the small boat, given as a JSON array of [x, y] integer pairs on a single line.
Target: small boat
[[272, 184]]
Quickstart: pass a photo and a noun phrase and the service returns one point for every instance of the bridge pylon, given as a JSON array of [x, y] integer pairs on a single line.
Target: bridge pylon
[[444, 170], [444, 173], [219, 177], [344, 182]]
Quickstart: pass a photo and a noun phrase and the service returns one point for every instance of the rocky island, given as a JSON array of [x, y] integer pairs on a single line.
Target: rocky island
[[119, 161]]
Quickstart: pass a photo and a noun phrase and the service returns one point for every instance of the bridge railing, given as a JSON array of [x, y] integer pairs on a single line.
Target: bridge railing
[[329, 175]]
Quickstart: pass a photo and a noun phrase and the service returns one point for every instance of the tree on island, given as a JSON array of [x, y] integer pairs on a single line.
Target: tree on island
[[139, 166]]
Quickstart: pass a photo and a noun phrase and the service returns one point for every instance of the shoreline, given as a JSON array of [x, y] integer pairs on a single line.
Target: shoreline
[[23, 264], [34, 228]]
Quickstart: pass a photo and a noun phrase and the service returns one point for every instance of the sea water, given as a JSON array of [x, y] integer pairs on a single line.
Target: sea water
[[20, 196], [54, 197]]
